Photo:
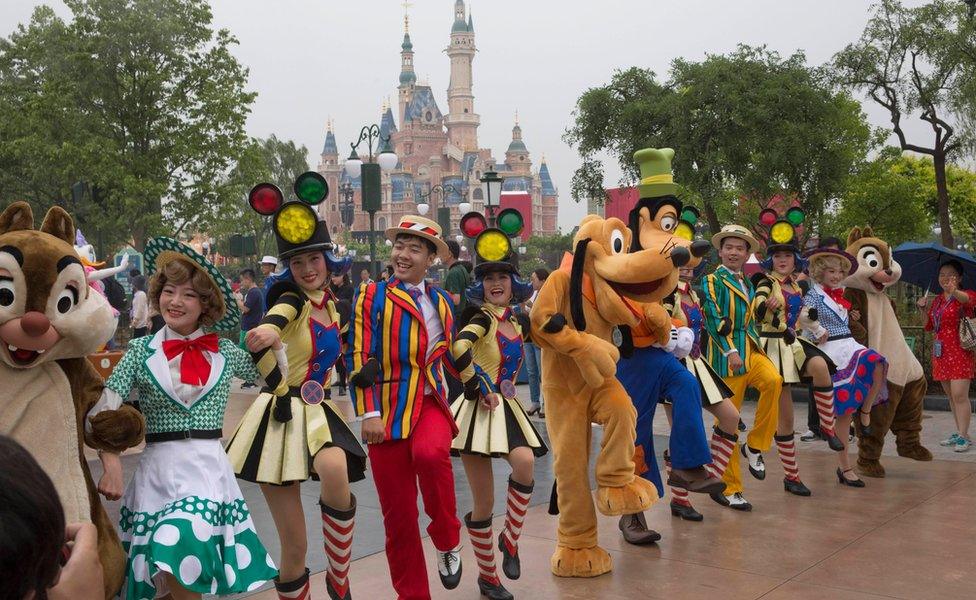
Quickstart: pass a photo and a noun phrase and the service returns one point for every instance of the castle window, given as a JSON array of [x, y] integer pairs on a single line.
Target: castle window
[[465, 110], [381, 225], [477, 194], [521, 157]]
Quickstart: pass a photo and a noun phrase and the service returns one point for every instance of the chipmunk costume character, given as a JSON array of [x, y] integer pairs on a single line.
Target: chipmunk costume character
[[902, 414], [573, 321], [49, 322]]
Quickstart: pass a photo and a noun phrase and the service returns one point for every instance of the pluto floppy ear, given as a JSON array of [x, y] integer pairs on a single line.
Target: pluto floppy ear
[[854, 235], [59, 224], [17, 217], [576, 285], [634, 226]]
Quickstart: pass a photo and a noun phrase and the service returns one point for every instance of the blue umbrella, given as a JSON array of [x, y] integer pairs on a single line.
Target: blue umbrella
[[920, 264]]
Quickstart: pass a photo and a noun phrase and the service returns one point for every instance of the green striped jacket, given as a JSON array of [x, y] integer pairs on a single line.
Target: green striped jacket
[[728, 320]]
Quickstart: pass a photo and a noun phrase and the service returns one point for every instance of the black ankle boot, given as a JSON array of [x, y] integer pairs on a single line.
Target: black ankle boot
[[494, 591], [686, 512]]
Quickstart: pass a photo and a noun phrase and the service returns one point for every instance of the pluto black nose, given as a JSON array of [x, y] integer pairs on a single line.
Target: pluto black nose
[[680, 256], [700, 248]]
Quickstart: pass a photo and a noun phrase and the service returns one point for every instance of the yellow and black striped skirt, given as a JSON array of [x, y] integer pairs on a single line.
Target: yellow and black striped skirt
[[494, 432], [263, 450], [790, 360]]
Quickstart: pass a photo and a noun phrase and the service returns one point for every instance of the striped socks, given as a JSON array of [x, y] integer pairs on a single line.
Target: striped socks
[[482, 541], [786, 446], [294, 590], [824, 397], [678, 495], [518, 502], [337, 526], [722, 446]]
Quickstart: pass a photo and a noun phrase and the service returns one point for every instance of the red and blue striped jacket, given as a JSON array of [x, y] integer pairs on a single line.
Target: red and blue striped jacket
[[387, 325]]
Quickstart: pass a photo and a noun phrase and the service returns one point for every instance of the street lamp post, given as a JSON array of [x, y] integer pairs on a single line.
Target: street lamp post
[[371, 180], [491, 184], [346, 212]]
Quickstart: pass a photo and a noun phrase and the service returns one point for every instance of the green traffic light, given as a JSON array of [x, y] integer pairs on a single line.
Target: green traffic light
[[510, 222], [311, 188]]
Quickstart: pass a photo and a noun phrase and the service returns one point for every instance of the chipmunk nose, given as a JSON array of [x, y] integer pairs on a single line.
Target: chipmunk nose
[[35, 324], [700, 248], [887, 272], [680, 256]]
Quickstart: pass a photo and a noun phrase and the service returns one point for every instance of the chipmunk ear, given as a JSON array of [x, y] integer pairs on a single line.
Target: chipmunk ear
[[58, 223], [17, 217], [854, 235], [867, 232], [576, 285]]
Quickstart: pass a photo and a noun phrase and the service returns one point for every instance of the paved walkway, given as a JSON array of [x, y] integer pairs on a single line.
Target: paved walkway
[[897, 538]]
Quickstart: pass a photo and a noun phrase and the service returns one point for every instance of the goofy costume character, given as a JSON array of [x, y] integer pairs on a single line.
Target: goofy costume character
[[400, 340], [652, 369]]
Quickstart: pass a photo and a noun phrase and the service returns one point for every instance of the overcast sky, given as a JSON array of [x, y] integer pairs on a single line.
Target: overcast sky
[[314, 59]]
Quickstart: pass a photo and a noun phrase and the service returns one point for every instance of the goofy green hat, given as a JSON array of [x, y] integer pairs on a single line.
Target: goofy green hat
[[656, 187]]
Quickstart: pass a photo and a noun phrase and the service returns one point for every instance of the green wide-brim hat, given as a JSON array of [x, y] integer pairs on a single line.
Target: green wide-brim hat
[[161, 251], [655, 168]]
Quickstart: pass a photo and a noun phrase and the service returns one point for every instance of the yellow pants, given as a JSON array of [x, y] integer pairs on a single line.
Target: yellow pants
[[762, 375]]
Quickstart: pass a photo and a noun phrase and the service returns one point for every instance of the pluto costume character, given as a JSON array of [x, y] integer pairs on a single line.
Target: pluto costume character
[[50, 320], [902, 414], [573, 321]]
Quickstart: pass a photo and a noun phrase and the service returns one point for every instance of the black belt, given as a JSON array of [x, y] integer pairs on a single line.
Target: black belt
[[839, 337], [773, 334], [190, 434]]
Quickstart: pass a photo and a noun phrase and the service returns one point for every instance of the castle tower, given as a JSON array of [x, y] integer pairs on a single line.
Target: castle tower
[[330, 168], [408, 78], [517, 155], [461, 121]]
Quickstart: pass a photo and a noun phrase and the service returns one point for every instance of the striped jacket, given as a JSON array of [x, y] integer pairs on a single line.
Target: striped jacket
[[728, 320], [387, 325]]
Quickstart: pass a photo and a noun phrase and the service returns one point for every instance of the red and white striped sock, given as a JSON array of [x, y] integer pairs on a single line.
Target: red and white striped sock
[[337, 526], [824, 397], [786, 446], [519, 495], [722, 446], [678, 495], [483, 542], [294, 590]]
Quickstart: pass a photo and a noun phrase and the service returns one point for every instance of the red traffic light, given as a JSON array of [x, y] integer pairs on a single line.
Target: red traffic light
[[265, 198]]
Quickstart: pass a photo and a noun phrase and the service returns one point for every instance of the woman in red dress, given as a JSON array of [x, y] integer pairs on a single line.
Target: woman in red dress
[[951, 365]]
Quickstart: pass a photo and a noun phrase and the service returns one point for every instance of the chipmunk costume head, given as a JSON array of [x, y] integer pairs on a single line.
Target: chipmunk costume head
[[573, 321], [902, 414], [49, 321]]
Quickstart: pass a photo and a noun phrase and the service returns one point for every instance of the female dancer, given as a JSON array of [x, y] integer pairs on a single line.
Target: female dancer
[[492, 422], [777, 306], [184, 523], [685, 308], [291, 432], [859, 382]]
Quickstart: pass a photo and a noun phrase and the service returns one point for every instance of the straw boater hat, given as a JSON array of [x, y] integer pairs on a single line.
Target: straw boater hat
[[422, 228], [161, 251], [735, 231], [848, 262]]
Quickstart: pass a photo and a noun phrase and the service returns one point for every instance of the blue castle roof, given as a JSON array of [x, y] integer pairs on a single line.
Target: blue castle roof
[[548, 189], [517, 184], [330, 144], [422, 101]]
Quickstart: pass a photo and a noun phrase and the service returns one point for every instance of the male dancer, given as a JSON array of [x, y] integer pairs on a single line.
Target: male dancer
[[400, 332], [734, 353]]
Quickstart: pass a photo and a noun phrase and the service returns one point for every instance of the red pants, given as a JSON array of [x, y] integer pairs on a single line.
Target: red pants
[[398, 466]]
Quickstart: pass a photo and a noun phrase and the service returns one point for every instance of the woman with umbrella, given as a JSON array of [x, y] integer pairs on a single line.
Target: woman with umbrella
[[952, 365]]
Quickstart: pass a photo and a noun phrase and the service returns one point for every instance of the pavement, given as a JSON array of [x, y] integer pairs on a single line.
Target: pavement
[[841, 543]]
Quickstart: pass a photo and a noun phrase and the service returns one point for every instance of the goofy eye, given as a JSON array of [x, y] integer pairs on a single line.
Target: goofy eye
[[6, 292], [668, 223], [617, 241], [67, 300]]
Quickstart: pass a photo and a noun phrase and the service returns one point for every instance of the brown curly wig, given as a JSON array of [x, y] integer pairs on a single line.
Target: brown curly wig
[[179, 271]]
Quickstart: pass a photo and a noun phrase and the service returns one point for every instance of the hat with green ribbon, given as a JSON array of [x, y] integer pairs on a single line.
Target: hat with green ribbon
[[161, 251], [655, 167]]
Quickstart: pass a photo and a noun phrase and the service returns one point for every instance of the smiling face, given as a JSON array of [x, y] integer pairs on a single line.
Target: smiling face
[[498, 288], [310, 270], [411, 257], [784, 262], [46, 310], [686, 274], [734, 252], [179, 305]]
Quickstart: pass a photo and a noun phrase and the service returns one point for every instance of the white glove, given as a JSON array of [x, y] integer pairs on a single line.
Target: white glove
[[684, 340], [281, 356]]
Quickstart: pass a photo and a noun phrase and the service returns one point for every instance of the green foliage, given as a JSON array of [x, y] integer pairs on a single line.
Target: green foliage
[[142, 99], [919, 62], [545, 251], [749, 124]]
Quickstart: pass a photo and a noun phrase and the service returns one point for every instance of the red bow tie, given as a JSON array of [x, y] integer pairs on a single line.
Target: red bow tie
[[194, 369], [837, 295]]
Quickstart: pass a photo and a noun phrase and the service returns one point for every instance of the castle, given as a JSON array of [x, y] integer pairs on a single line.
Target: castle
[[437, 149]]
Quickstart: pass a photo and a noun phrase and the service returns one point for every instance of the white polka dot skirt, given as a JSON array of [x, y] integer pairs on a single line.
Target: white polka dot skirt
[[183, 514]]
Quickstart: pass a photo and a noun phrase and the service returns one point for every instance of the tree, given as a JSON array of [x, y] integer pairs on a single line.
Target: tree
[[919, 62], [263, 161], [750, 124], [545, 251], [141, 99]]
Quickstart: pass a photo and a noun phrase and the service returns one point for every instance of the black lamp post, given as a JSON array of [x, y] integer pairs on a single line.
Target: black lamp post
[[371, 182], [491, 184], [346, 213]]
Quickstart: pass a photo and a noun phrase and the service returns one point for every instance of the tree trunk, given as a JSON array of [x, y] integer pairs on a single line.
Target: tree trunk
[[942, 190], [711, 217]]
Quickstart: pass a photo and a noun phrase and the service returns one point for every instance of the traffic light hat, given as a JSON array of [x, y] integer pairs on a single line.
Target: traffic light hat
[[656, 187], [782, 236], [494, 252], [296, 225]]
